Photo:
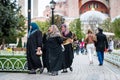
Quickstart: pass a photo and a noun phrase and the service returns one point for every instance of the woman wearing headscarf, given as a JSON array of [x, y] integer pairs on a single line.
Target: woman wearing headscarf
[[34, 44], [52, 50], [68, 53]]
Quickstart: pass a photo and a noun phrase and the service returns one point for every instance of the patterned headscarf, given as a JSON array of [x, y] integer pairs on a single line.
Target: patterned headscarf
[[55, 32], [66, 30]]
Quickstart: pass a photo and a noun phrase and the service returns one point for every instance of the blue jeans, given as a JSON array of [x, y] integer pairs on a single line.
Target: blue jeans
[[100, 55]]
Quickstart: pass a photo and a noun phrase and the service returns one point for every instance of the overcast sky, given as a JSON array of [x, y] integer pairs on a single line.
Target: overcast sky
[[42, 5]]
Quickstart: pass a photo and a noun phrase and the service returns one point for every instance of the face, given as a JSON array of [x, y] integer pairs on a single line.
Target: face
[[50, 30], [63, 28], [30, 27]]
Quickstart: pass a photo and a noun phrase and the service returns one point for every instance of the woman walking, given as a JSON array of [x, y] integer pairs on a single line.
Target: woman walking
[[90, 41], [68, 53], [52, 56], [34, 44]]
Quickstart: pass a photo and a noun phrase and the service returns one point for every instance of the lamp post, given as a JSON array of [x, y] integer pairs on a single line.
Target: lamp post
[[52, 5], [29, 14]]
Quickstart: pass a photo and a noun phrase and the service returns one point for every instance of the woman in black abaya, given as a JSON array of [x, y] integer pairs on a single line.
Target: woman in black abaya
[[52, 56], [34, 44], [68, 53]]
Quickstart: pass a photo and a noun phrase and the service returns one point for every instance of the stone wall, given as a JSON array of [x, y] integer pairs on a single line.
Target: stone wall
[[114, 8]]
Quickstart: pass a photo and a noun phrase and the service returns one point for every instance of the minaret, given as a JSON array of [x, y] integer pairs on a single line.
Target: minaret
[[35, 8]]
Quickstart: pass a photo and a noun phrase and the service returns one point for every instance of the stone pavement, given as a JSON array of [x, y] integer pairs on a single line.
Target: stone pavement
[[81, 71]]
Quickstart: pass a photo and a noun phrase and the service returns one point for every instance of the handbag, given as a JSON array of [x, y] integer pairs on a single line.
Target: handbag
[[39, 53]]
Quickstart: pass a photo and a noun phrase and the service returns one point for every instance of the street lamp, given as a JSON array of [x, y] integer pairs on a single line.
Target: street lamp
[[63, 19], [29, 14], [52, 5]]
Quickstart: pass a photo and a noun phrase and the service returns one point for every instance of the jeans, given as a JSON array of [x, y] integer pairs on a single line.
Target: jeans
[[100, 55]]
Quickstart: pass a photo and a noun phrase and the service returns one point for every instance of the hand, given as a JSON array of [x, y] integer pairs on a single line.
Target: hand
[[39, 48]]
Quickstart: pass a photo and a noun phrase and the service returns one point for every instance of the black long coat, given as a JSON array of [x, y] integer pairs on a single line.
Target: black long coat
[[101, 43], [34, 41], [68, 53], [52, 53]]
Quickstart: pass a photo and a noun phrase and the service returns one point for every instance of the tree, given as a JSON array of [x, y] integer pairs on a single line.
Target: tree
[[75, 27], [58, 20], [107, 25], [19, 43], [10, 21], [43, 25], [116, 27], [21, 28]]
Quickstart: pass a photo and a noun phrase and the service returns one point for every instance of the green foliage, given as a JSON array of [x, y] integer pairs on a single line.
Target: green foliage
[[107, 25], [21, 28], [10, 20], [43, 25], [19, 43], [116, 27], [75, 27], [58, 20]]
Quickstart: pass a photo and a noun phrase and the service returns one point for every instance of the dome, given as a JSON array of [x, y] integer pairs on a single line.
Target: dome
[[93, 16]]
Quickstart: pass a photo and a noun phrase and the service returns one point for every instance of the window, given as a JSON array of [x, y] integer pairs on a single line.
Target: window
[[84, 7], [89, 6]]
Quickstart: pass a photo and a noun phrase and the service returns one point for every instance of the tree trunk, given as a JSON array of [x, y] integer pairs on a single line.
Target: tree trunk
[[3, 44]]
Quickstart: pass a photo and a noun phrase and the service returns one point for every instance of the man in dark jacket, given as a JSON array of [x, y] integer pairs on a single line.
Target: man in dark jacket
[[101, 45]]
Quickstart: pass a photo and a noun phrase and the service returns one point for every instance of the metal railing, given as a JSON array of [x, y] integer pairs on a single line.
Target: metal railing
[[113, 58], [13, 62]]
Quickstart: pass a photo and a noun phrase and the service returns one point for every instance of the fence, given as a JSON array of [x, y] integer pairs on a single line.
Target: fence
[[13, 62], [113, 58]]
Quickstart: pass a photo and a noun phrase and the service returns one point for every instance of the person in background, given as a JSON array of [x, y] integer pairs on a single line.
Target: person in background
[[90, 40], [68, 53], [82, 44], [111, 46], [34, 44], [52, 50], [101, 45], [77, 48]]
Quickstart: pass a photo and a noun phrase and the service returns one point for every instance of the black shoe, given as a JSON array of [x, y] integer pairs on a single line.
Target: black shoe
[[32, 72], [71, 69], [64, 71], [100, 64]]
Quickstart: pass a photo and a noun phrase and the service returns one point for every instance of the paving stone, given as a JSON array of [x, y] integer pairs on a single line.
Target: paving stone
[[81, 71]]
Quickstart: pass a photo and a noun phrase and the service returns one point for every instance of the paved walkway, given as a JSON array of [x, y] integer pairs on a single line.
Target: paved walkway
[[82, 71]]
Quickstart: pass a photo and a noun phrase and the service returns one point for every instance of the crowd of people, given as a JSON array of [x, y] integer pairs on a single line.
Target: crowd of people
[[54, 57], [57, 48]]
